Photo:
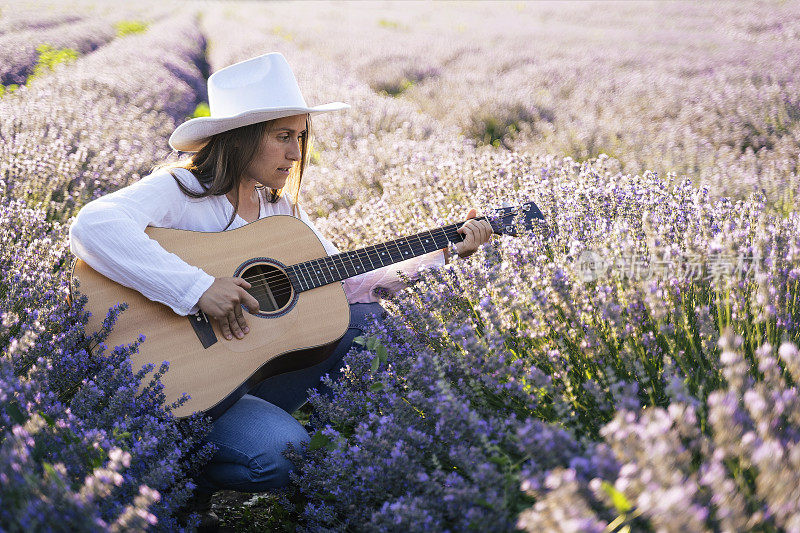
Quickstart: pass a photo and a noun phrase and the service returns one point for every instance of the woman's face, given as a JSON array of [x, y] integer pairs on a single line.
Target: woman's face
[[278, 152]]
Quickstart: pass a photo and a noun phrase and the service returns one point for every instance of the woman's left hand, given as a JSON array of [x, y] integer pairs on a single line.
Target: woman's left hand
[[476, 232]]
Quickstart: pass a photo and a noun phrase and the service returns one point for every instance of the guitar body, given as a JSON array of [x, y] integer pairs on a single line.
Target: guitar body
[[300, 330]]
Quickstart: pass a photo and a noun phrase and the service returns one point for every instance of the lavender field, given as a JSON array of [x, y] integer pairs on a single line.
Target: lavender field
[[631, 366]]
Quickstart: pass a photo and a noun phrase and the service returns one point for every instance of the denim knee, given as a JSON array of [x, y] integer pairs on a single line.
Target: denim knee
[[271, 468], [251, 439]]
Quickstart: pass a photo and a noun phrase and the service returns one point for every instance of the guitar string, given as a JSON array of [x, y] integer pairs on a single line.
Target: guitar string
[[271, 279], [365, 252], [282, 289], [450, 233], [330, 262], [311, 271]]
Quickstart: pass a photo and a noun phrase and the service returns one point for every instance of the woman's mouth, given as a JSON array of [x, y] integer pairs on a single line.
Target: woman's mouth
[[284, 170]]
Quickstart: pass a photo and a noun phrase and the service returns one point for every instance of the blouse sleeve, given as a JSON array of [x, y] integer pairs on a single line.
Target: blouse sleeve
[[363, 288], [108, 234]]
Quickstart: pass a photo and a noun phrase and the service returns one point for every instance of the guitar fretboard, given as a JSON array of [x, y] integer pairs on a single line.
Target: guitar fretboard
[[333, 268]]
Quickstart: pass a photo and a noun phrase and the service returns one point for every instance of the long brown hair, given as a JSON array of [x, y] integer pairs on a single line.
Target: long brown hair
[[221, 163]]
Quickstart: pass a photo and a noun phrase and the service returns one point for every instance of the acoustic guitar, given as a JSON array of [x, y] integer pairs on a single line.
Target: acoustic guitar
[[303, 310]]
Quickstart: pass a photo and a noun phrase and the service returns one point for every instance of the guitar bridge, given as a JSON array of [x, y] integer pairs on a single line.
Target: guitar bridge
[[202, 328]]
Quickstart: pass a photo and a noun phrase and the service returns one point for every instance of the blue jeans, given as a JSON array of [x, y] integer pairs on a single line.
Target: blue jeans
[[253, 433]]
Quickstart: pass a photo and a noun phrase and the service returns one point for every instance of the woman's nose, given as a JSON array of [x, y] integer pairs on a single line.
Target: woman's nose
[[294, 151]]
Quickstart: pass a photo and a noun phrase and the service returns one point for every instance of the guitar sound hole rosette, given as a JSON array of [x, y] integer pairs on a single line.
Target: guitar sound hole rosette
[[269, 284]]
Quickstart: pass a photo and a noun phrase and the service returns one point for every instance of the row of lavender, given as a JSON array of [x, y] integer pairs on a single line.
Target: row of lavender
[[79, 445], [58, 147], [635, 365], [21, 51], [18, 16], [700, 91]]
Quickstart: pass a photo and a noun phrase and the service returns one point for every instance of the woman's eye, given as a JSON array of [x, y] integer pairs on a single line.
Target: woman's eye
[[287, 137]]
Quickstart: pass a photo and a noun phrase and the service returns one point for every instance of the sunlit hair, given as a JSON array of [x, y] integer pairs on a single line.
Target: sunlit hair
[[221, 163]]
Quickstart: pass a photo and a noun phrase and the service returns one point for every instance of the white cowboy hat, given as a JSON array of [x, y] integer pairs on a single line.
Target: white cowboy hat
[[255, 90]]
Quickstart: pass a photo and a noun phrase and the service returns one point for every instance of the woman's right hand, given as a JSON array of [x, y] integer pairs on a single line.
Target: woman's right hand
[[223, 301]]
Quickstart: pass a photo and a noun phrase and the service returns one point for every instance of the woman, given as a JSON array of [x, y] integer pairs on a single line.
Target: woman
[[248, 163]]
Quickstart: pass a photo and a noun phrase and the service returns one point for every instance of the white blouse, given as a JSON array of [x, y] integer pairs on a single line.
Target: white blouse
[[108, 234]]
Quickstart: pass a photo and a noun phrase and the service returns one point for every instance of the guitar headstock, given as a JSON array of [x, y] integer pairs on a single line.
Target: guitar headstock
[[512, 220]]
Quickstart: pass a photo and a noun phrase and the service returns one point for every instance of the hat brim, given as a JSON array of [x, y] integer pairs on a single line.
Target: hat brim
[[193, 134]]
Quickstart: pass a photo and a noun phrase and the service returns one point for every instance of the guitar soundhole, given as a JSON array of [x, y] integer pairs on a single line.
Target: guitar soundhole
[[269, 285]]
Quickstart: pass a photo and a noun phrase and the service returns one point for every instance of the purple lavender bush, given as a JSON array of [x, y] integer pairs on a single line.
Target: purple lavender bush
[[84, 439], [736, 473], [77, 435], [432, 429]]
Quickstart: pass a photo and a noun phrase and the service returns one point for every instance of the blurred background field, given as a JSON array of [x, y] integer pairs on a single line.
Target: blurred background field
[[663, 130]]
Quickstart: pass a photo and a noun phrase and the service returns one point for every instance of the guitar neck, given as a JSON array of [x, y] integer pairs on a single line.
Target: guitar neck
[[333, 268]]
